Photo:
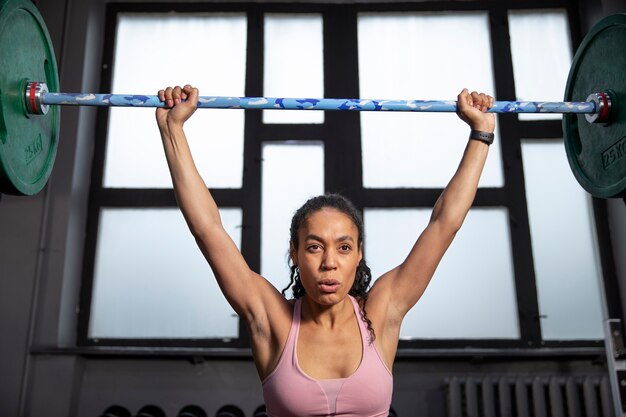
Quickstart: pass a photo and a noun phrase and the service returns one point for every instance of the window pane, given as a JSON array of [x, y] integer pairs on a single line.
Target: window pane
[[153, 282], [472, 294], [294, 64], [283, 193], [421, 150], [540, 73], [134, 151], [564, 248]]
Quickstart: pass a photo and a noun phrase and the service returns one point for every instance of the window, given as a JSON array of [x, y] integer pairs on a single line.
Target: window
[[281, 162], [569, 302], [134, 159], [499, 285], [527, 30], [294, 63], [395, 62], [471, 287], [151, 281]]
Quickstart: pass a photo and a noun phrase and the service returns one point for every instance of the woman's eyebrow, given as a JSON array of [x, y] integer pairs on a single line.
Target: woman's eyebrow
[[339, 239], [313, 237]]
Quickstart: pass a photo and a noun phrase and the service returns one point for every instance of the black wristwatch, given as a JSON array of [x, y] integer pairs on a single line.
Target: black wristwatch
[[482, 136]]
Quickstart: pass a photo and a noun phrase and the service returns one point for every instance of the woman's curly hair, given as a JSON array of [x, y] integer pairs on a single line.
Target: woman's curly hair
[[363, 277]]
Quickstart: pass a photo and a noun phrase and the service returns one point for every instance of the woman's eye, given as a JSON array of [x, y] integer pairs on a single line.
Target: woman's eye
[[314, 247], [345, 248]]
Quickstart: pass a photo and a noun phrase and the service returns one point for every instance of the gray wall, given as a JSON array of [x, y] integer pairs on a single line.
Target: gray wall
[[41, 245]]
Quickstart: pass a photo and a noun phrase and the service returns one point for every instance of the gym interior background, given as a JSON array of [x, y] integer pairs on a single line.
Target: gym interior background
[[105, 301]]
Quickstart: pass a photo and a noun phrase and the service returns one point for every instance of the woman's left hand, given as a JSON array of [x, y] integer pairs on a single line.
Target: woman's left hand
[[471, 108]]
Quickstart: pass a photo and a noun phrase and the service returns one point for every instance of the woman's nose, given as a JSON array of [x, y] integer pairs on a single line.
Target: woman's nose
[[329, 261]]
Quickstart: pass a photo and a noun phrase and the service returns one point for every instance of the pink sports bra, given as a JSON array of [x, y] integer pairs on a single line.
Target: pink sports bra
[[289, 392]]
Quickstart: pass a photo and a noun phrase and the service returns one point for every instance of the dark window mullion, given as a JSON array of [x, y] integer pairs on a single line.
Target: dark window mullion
[[252, 167], [342, 130], [527, 303], [540, 129], [158, 197], [426, 197], [285, 132]]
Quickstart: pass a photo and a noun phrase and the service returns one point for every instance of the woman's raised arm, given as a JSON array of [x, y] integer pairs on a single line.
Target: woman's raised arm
[[398, 290], [247, 292]]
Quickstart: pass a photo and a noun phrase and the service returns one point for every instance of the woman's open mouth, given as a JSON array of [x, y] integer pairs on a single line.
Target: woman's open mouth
[[329, 285]]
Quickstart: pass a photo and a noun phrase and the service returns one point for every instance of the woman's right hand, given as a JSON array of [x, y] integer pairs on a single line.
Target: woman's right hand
[[180, 104]]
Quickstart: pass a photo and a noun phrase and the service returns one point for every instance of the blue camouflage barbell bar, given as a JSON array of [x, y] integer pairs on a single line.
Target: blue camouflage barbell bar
[[38, 98]]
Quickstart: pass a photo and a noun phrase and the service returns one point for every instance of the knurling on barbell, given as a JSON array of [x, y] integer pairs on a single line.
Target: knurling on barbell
[[593, 121]]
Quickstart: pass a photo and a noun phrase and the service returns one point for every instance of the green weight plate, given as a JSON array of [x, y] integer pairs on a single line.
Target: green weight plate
[[28, 144], [597, 151]]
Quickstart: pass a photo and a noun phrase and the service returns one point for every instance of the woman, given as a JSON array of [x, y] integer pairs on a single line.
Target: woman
[[331, 350]]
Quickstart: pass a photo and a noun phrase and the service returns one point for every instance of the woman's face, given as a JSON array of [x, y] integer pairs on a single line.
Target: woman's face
[[328, 254]]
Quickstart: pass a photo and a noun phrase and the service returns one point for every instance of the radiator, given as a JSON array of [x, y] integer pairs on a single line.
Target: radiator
[[507, 396]]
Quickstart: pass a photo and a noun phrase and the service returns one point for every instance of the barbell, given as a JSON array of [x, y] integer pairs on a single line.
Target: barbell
[[594, 116]]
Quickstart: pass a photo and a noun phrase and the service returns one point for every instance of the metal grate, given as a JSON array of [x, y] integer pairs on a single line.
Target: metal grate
[[508, 396]]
